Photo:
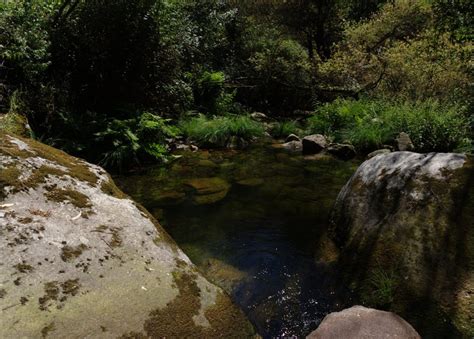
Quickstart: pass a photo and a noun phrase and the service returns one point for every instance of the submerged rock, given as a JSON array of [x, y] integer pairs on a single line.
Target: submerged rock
[[317, 157], [208, 190], [80, 259], [223, 274], [409, 218], [314, 143], [359, 322], [251, 182], [207, 163], [168, 197]]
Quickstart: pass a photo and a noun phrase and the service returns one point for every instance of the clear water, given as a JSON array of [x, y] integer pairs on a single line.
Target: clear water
[[258, 242]]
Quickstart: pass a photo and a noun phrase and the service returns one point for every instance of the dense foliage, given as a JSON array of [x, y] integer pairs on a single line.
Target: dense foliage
[[218, 131], [371, 124], [111, 73]]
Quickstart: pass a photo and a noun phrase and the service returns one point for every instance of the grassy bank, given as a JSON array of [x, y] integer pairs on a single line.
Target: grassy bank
[[369, 124], [216, 131]]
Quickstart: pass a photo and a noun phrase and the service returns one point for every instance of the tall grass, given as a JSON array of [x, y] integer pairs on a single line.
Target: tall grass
[[217, 131], [283, 129], [369, 124], [379, 288]]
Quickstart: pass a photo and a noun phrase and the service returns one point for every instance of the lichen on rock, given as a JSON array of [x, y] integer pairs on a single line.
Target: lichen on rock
[[407, 218], [78, 256]]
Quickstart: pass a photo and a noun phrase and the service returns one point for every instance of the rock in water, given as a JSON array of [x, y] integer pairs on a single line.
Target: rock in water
[[409, 217], [292, 137], [80, 259], [359, 322], [404, 142], [293, 146], [208, 190], [314, 143], [343, 151]]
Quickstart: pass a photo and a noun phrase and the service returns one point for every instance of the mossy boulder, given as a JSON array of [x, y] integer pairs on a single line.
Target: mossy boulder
[[80, 259], [405, 224]]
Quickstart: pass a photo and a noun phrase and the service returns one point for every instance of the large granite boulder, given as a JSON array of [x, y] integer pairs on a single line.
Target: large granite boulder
[[359, 322], [405, 224], [80, 259]]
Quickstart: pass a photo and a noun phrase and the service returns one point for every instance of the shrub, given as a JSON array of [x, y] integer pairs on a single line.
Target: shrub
[[14, 123], [216, 131], [399, 53], [336, 119], [24, 45], [134, 139], [370, 124], [285, 128], [210, 95], [280, 71], [431, 125]]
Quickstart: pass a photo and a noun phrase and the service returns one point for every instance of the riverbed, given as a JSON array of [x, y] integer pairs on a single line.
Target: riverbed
[[251, 221]]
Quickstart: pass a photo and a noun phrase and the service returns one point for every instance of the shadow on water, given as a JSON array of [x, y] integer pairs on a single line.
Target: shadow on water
[[258, 242]]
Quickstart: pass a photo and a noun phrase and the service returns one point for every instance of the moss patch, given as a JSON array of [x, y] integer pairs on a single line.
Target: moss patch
[[25, 220], [109, 187], [176, 319], [69, 253], [23, 268], [47, 329], [10, 176], [51, 293], [70, 287], [77, 168], [74, 197]]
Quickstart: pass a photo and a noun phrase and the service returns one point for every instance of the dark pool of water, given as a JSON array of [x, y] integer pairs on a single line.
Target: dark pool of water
[[256, 231]]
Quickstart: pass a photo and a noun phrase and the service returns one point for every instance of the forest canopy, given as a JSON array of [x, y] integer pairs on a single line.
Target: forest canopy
[[115, 79]]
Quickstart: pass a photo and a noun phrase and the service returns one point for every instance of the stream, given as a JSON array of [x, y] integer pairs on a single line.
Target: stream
[[251, 221]]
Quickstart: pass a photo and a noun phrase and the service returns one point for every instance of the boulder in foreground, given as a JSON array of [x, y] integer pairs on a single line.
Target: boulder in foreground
[[80, 259], [405, 224], [359, 322]]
